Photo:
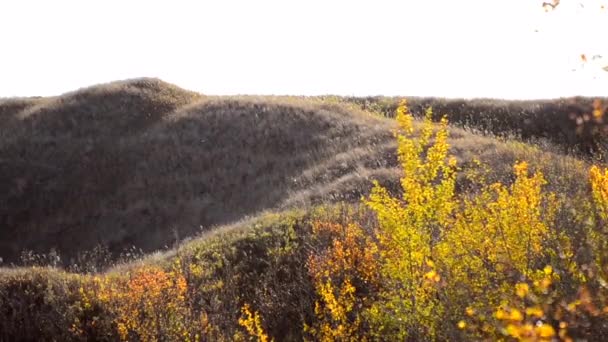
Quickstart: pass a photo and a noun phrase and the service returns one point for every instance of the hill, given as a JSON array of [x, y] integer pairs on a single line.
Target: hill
[[246, 181], [144, 163], [575, 124]]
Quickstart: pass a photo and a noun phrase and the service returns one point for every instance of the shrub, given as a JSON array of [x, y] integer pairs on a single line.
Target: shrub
[[488, 264]]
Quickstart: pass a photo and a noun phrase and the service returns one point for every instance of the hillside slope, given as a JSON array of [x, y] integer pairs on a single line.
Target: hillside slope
[[573, 124], [144, 163]]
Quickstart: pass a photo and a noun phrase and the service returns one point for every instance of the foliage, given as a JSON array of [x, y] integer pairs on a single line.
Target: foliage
[[345, 278], [409, 230], [489, 264], [195, 295], [252, 323]]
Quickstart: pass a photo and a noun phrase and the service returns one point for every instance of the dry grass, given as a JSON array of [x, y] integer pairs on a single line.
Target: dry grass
[[567, 123], [144, 163]]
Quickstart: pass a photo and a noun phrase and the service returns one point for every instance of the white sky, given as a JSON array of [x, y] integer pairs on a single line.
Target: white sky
[[451, 48]]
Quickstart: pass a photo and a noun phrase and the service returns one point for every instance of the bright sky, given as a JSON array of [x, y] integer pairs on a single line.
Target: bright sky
[[451, 48]]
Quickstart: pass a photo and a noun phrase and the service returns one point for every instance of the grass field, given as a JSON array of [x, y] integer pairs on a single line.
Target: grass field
[[142, 195]]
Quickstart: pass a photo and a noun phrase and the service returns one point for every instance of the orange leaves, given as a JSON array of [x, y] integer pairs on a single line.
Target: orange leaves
[[148, 305], [152, 300], [598, 110], [350, 251], [150, 283], [341, 271]]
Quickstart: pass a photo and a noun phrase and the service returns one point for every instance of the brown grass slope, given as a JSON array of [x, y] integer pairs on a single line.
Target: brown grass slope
[[9, 107], [142, 163], [202, 161], [565, 122]]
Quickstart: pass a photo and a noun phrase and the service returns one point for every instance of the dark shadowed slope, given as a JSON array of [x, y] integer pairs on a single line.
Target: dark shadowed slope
[[569, 123], [143, 163]]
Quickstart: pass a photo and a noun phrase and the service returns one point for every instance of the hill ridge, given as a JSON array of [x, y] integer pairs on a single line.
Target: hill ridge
[[145, 163]]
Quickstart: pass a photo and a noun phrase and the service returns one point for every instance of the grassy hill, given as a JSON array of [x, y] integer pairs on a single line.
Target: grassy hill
[[144, 163], [567, 123]]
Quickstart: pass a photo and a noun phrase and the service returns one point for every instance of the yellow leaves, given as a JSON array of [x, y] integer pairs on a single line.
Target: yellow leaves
[[123, 332], [522, 290], [514, 331], [400, 261], [545, 331], [409, 227], [480, 241], [438, 254], [335, 307], [524, 328], [404, 118], [515, 315], [432, 276], [507, 225], [529, 332], [521, 169], [599, 189], [195, 270], [252, 323], [508, 314], [543, 284], [333, 310], [500, 314], [535, 312]]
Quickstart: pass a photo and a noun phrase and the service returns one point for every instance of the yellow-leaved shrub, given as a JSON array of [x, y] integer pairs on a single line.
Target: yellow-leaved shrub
[[487, 264], [409, 230], [343, 273]]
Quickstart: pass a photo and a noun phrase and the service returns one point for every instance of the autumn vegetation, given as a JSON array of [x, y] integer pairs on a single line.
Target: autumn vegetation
[[496, 263], [397, 226]]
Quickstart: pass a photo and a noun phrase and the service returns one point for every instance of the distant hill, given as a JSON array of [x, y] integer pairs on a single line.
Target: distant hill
[[569, 123]]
